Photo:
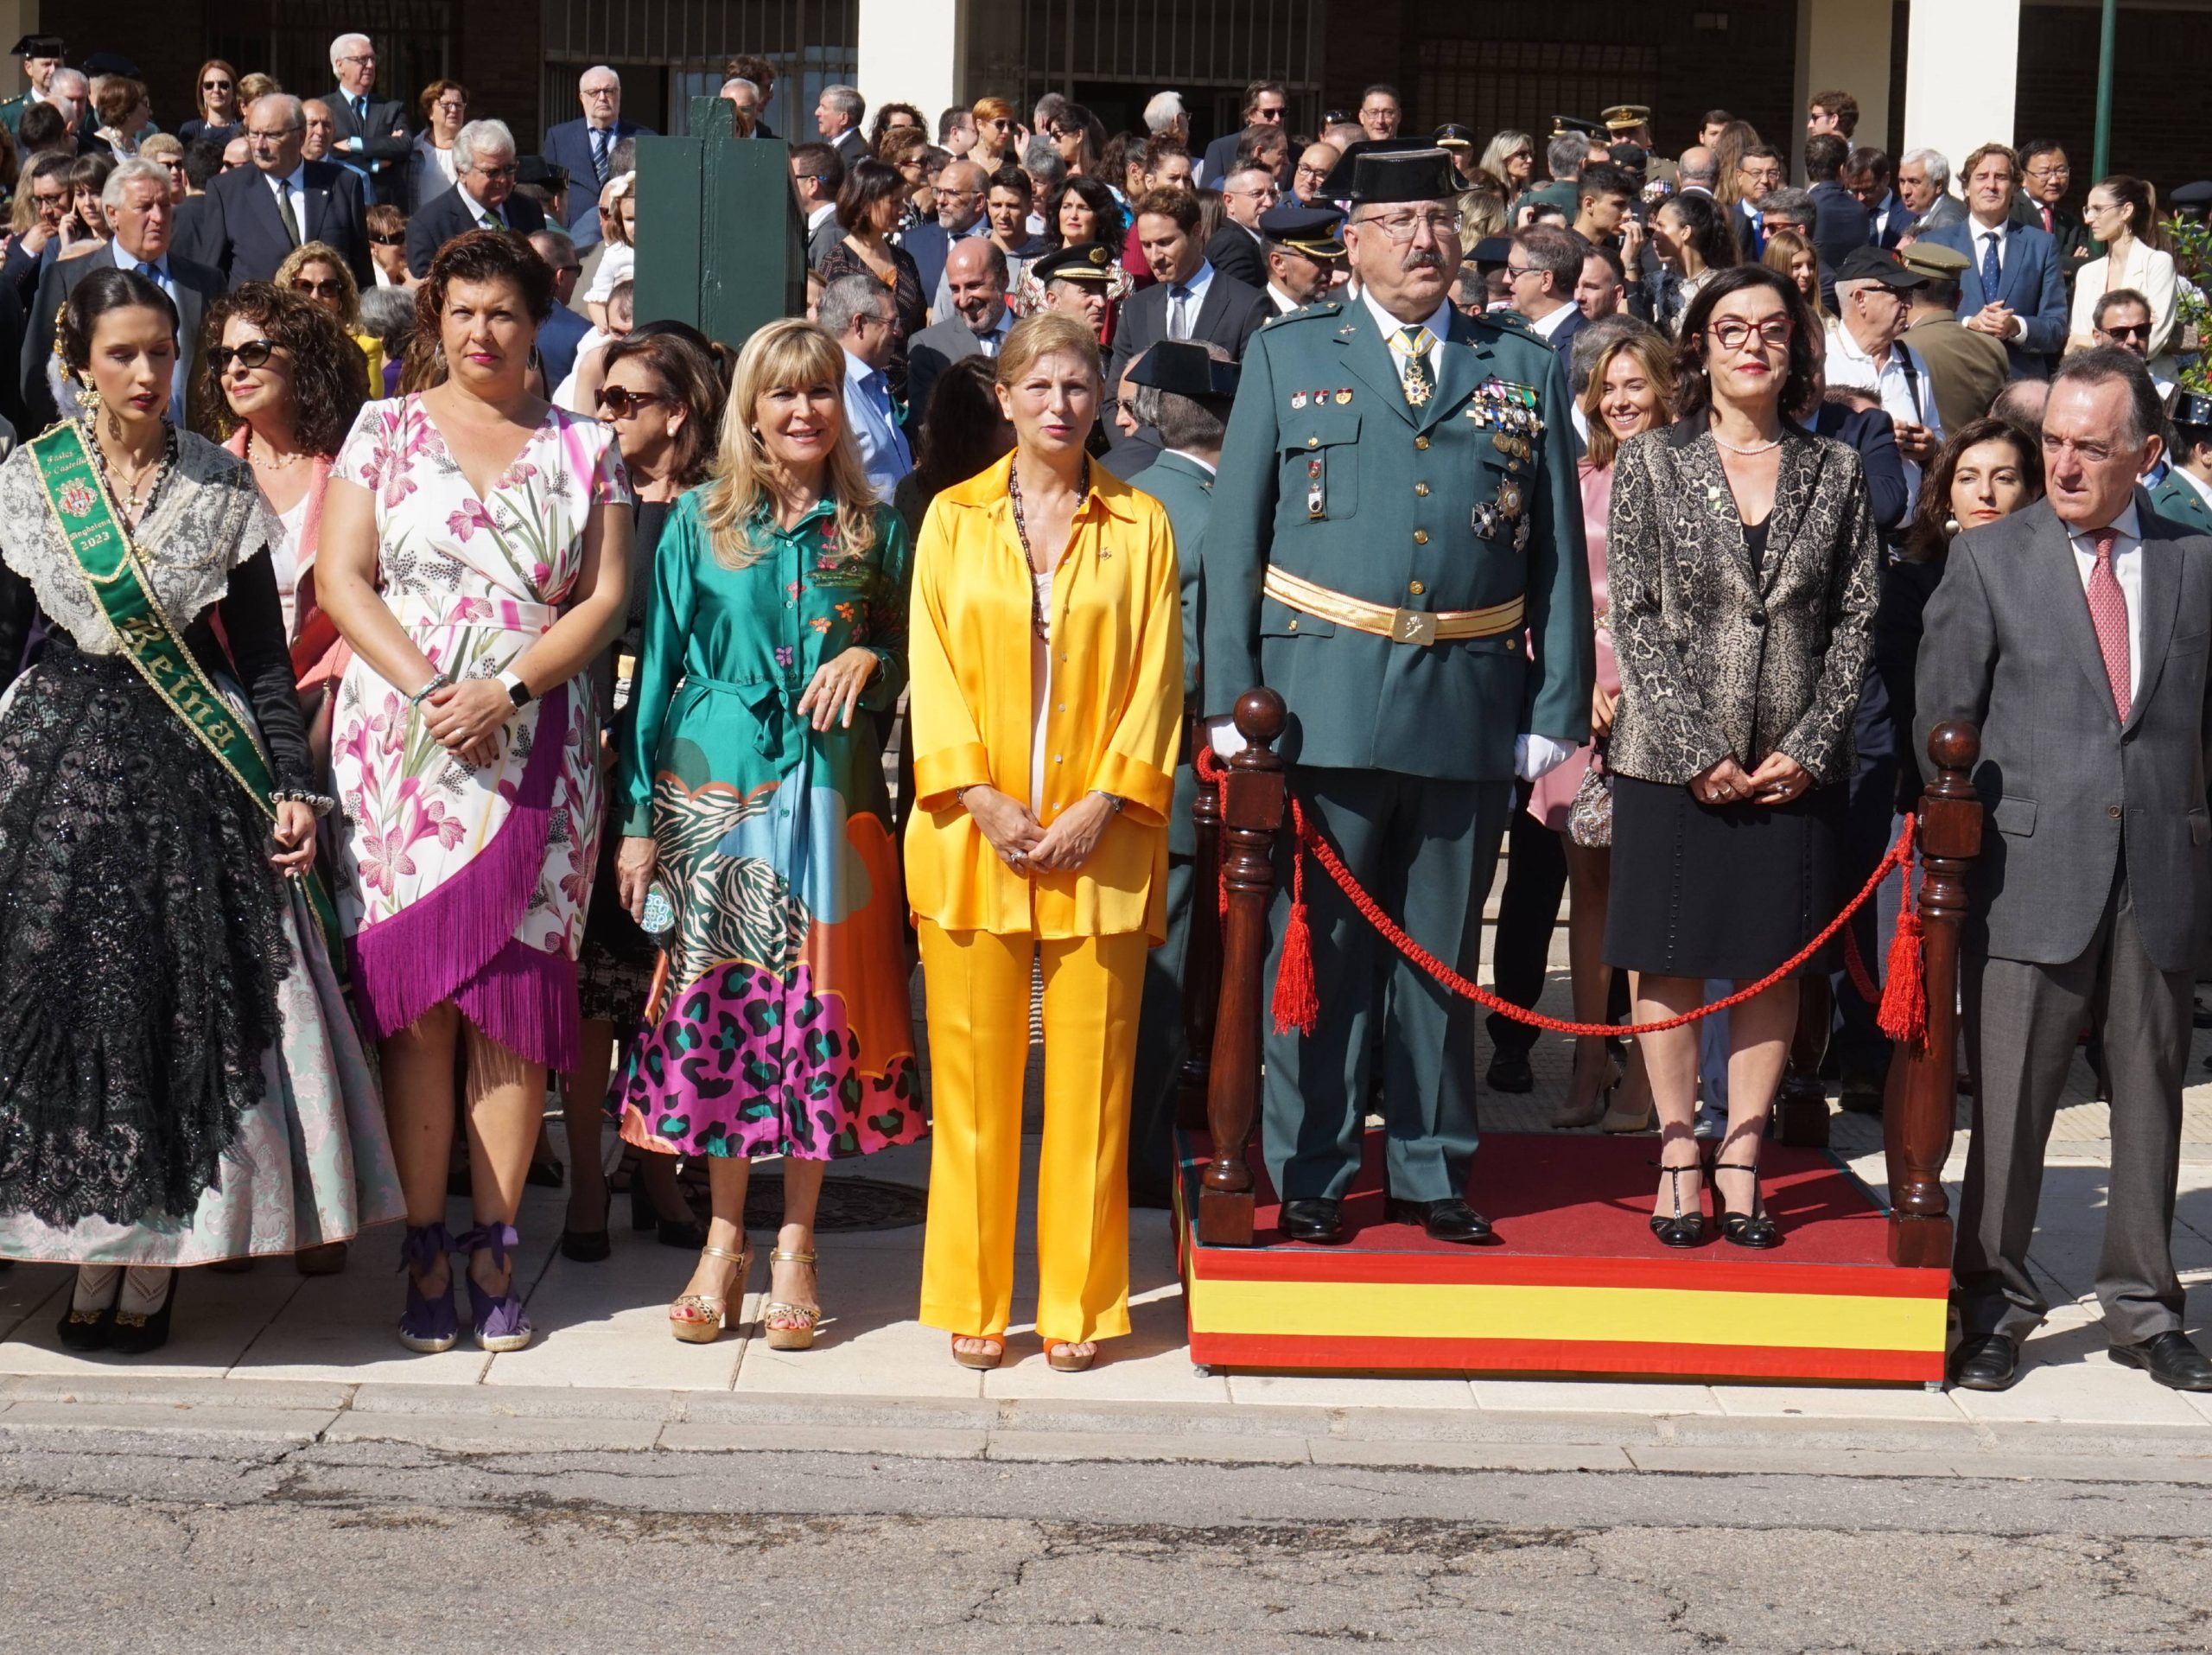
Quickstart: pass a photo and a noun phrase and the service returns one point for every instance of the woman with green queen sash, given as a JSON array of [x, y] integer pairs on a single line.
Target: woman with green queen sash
[[179, 1078]]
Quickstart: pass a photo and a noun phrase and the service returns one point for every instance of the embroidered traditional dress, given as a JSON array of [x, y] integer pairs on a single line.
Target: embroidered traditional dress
[[465, 884], [787, 1029], [179, 1077]]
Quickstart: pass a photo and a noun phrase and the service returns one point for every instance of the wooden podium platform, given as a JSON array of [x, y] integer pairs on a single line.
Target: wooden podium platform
[[1576, 1284]]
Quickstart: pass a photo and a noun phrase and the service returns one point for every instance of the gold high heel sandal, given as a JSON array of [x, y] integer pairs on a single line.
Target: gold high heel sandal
[[801, 1319], [699, 1318], [1068, 1356]]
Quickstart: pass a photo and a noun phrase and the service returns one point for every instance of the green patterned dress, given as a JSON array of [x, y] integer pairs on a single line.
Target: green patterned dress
[[786, 1027]]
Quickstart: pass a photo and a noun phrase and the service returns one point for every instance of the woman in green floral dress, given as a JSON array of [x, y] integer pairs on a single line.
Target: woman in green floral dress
[[752, 787]]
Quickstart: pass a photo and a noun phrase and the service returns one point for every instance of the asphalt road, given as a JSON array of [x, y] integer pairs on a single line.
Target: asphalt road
[[155, 1543]]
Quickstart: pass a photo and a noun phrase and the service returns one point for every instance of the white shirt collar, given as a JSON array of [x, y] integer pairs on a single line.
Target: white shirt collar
[[2203, 489], [1554, 321], [2129, 524], [1200, 280], [2002, 230], [1439, 322], [125, 260], [814, 220], [1206, 466]]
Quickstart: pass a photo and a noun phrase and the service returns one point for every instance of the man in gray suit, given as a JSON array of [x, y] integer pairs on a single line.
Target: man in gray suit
[[975, 270], [2074, 633]]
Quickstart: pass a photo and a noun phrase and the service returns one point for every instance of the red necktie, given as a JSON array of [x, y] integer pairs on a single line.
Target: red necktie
[[2048, 227], [2108, 614]]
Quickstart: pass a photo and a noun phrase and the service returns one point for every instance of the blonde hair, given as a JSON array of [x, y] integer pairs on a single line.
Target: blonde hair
[[1045, 334], [1649, 348], [322, 253], [782, 355], [1783, 249], [618, 188]]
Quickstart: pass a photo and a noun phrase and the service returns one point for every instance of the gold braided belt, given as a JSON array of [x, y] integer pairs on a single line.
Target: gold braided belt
[[1400, 626]]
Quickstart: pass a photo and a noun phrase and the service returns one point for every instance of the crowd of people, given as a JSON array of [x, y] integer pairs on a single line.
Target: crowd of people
[[361, 536]]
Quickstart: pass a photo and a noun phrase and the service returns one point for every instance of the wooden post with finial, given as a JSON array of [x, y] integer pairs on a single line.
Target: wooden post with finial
[[1921, 1102], [1201, 956], [1252, 796]]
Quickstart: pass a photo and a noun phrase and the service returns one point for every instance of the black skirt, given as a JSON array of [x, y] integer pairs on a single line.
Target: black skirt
[[1724, 891], [141, 941]]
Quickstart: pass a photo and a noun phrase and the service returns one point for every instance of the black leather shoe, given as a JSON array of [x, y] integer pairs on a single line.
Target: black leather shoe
[[1320, 1220], [1452, 1220], [1509, 1072], [2170, 1359], [1991, 1363]]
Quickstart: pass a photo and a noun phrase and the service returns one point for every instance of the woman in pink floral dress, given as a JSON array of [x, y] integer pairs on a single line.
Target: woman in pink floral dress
[[475, 555]]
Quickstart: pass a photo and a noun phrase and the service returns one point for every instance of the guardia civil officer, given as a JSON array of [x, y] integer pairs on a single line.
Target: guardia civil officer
[[1395, 547]]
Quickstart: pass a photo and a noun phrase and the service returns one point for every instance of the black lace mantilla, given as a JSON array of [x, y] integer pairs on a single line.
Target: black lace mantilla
[[141, 944]]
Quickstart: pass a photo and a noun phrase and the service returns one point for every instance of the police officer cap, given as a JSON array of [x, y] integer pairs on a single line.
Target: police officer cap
[[1452, 136], [1376, 172], [1309, 230], [1186, 368], [1878, 265], [110, 63], [1626, 118], [2198, 195], [1563, 124], [1935, 260], [2193, 408], [1086, 261], [38, 46]]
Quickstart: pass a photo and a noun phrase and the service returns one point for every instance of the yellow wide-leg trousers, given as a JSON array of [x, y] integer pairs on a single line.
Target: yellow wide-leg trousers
[[978, 992]]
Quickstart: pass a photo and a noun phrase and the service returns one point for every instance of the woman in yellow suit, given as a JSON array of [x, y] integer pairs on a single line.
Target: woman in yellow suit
[[1046, 660]]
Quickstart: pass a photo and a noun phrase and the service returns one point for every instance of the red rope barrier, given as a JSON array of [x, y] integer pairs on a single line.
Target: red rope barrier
[[1903, 1003]]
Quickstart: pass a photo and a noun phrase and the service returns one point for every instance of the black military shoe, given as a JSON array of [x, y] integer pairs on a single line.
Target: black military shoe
[[2170, 1359], [1509, 1072], [1991, 1363], [1320, 1220], [1452, 1220]]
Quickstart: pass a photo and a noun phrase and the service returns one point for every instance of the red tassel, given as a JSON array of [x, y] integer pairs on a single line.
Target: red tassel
[[1904, 1013], [1298, 1003]]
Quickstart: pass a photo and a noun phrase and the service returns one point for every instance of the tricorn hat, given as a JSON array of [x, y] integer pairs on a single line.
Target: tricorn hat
[[38, 46], [1379, 171], [1185, 369]]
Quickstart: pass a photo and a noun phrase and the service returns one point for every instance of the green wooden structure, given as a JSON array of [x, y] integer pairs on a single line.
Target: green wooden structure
[[727, 248]]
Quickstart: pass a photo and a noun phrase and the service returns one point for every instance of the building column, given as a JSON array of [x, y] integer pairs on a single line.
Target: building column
[[17, 19], [912, 51], [1844, 45], [1962, 75]]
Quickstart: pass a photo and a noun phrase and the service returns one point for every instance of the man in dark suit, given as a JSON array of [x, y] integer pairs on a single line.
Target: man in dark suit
[[256, 215], [1541, 273], [1183, 389], [2045, 177], [976, 274], [2013, 288], [961, 187], [2073, 633], [484, 199], [1189, 299], [1867, 175], [837, 116], [1758, 170], [559, 333], [586, 147], [1266, 104], [368, 133], [1841, 225], [137, 202], [1236, 248]]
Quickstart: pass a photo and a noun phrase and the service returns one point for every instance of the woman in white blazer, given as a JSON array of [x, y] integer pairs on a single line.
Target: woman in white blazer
[[2122, 213]]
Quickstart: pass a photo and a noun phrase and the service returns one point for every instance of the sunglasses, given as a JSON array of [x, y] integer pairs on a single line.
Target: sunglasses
[[613, 399], [2129, 330], [333, 289], [215, 85], [376, 240], [254, 354]]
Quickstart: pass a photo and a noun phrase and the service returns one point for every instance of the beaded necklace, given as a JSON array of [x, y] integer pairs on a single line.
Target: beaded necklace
[[1037, 619]]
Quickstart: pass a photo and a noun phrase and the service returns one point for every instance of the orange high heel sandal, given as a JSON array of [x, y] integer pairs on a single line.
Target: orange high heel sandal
[[699, 1318]]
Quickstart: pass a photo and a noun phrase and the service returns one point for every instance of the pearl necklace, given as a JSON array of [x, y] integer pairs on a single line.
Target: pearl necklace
[[268, 460], [1735, 447]]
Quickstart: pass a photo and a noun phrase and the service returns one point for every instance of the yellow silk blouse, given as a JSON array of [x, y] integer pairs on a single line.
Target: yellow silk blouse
[[1113, 725]]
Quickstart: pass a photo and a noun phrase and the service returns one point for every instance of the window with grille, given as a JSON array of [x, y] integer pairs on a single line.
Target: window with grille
[[1493, 85]]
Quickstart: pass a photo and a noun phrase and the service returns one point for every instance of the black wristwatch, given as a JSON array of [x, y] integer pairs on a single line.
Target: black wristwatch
[[517, 692]]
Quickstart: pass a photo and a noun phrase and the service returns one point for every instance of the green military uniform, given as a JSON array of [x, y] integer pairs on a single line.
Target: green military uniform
[[31, 46], [1185, 487], [11, 111], [1464, 500], [2176, 498], [1966, 369]]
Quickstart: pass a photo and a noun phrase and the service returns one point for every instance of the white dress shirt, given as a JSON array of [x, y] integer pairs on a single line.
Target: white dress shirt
[[1907, 399], [884, 454], [2127, 569], [1549, 325], [1436, 329], [1981, 234]]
